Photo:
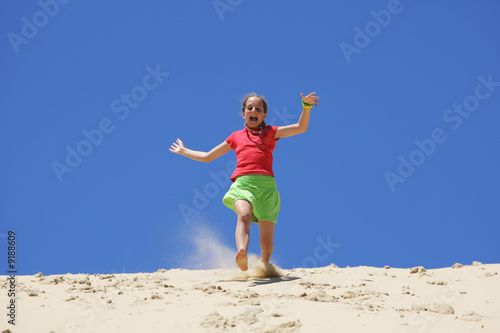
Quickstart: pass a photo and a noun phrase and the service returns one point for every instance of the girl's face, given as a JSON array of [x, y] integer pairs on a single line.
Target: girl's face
[[254, 112]]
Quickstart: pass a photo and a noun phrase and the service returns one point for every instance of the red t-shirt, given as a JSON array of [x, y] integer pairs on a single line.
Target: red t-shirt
[[254, 152]]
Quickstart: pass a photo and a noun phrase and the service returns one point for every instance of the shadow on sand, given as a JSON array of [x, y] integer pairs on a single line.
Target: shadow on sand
[[262, 281]]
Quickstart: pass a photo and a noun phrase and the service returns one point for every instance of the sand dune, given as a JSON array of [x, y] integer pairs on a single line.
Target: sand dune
[[328, 299]]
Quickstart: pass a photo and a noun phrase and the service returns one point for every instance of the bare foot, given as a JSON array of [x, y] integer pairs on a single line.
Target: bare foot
[[241, 260]]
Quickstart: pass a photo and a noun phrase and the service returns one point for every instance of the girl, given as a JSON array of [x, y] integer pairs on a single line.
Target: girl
[[253, 194]]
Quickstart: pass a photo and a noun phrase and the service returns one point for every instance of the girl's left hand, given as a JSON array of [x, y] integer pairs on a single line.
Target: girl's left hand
[[310, 99]]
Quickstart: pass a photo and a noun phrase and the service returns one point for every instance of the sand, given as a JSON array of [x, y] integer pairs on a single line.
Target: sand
[[327, 299]]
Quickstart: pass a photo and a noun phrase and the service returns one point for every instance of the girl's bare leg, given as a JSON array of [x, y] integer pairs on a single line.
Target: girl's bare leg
[[242, 235], [266, 229]]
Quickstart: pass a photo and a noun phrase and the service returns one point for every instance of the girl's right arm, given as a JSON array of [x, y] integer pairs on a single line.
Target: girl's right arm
[[178, 148]]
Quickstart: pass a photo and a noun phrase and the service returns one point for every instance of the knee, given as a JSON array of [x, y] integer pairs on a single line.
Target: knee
[[245, 217]]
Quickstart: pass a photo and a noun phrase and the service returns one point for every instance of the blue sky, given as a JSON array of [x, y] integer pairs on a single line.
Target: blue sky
[[399, 166]]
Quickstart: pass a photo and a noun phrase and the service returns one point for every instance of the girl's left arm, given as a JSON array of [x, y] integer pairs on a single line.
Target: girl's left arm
[[303, 123]]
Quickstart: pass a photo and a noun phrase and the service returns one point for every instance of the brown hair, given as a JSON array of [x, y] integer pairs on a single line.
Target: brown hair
[[262, 99]]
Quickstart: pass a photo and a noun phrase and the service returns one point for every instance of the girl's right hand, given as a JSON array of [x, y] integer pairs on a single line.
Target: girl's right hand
[[177, 147]]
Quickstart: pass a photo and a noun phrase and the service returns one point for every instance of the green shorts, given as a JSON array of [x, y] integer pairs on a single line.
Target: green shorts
[[260, 191]]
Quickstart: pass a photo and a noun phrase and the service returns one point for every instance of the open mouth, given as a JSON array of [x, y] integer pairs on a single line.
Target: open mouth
[[254, 118]]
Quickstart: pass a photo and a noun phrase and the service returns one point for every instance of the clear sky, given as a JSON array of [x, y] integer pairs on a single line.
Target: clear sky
[[399, 167]]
